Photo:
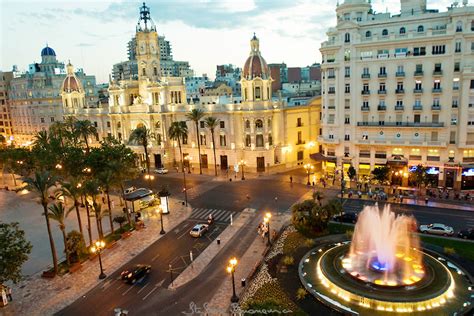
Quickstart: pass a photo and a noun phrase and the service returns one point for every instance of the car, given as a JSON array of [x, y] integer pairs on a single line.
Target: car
[[161, 170], [199, 230], [129, 190], [437, 229], [135, 273], [466, 233], [349, 217]]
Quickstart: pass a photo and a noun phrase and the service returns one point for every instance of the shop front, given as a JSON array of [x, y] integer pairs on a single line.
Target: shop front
[[364, 172], [431, 176], [467, 178]]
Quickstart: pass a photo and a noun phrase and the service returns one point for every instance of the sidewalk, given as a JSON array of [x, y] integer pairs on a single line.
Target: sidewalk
[[40, 296]]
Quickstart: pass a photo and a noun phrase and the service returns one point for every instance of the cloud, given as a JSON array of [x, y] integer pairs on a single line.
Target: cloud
[[85, 45]]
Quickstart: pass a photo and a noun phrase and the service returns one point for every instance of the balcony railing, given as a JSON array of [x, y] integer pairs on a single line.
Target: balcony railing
[[436, 107], [399, 107], [399, 91], [418, 73], [417, 107], [365, 76], [417, 90], [437, 90], [365, 108], [400, 74], [383, 75], [331, 76], [438, 72], [381, 107], [402, 124], [382, 91], [331, 92], [365, 92]]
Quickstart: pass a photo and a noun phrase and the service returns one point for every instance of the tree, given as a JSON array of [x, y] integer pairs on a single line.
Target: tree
[[40, 184], [318, 196], [3, 141], [14, 251], [76, 246], [310, 218], [177, 131], [120, 220], [72, 190], [84, 129], [351, 173], [418, 176], [211, 124], [196, 115], [91, 190], [58, 213], [142, 136], [380, 174]]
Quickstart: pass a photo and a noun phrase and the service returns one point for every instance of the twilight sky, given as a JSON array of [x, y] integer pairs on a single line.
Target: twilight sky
[[94, 34]]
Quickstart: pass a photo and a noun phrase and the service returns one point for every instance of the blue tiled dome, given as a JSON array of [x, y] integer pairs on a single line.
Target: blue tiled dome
[[48, 51]]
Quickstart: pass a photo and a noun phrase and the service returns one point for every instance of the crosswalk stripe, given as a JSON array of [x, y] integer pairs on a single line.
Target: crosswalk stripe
[[221, 216], [199, 213], [218, 214]]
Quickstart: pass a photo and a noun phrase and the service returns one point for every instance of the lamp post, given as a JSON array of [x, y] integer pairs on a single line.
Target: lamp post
[[97, 248], [242, 163], [149, 178], [308, 167], [266, 220], [160, 211], [184, 182], [231, 270], [188, 159]]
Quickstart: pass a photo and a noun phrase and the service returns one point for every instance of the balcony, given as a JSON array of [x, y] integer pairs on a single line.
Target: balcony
[[331, 76], [417, 90], [331, 91], [402, 124], [365, 108], [322, 139], [399, 108], [417, 107], [400, 74], [418, 73], [436, 90], [436, 107], [365, 76], [399, 91], [384, 75], [365, 92], [382, 56], [437, 72], [382, 91], [381, 108]]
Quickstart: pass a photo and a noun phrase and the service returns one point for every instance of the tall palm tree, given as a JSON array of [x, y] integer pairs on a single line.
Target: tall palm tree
[[142, 136], [211, 124], [106, 178], [72, 190], [177, 131], [84, 129], [91, 190], [58, 213], [196, 115], [40, 184]]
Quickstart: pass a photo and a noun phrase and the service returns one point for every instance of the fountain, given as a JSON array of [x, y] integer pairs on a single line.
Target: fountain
[[384, 269]]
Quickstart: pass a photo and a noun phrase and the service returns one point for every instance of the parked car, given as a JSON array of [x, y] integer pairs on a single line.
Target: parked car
[[437, 229], [129, 190], [349, 217], [161, 170], [135, 273], [199, 230], [466, 233]]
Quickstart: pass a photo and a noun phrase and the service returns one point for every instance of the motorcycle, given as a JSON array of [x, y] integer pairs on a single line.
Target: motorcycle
[[210, 221]]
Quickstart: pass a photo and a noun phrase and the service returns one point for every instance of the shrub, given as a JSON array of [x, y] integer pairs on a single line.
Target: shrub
[[449, 251], [301, 294], [288, 260], [309, 243], [76, 246]]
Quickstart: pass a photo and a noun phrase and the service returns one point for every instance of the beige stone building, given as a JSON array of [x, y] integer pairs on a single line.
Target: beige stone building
[[6, 128], [399, 90]]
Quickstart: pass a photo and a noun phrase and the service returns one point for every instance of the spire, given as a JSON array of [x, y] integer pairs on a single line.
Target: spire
[[70, 68], [254, 45], [145, 17]]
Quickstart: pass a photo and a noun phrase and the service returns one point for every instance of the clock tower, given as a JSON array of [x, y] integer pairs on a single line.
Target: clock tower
[[147, 49]]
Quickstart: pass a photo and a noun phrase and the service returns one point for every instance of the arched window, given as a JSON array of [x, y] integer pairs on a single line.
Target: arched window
[[247, 124], [155, 71], [143, 72], [402, 30], [259, 123], [257, 93], [421, 28], [259, 140], [368, 34], [384, 32], [119, 125], [347, 38]]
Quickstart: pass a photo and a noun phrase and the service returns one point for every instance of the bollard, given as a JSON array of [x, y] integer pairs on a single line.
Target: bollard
[[243, 282], [218, 241], [182, 203]]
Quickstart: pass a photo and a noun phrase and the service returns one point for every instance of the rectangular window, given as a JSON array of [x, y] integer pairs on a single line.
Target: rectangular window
[[419, 51], [347, 88], [438, 49], [416, 118], [95, 124], [457, 66], [52, 119], [300, 155], [347, 72], [221, 124], [203, 139], [457, 48], [201, 124], [222, 140], [247, 140], [185, 139], [300, 138], [298, 122]]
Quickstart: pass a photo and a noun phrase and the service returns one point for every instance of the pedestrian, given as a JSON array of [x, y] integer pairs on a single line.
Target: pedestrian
[[9, 294], [259, 229], [313, 184], [113, 204], [291, 179], [103, 199], [426, 200]]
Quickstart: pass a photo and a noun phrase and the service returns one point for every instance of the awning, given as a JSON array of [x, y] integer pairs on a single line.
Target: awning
[[321, 157]]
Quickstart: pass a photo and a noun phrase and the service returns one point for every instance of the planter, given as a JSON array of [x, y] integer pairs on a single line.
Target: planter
[[126, 235], [48, 274], [75, 267]]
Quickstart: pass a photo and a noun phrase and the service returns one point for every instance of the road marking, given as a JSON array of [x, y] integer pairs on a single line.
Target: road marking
[[160, 283], [129, 289], [108, 284], [121, 285], [185, 233], [143, 288], [154, 258], [149, 293]]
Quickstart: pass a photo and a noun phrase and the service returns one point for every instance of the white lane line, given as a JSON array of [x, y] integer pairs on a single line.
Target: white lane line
[[121, 285], [128, 290], [143, 288], [160, 283], [108, 284], [149, 293], [154, 258], [185, 233]]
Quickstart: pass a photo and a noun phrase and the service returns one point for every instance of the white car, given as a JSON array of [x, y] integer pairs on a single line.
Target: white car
[[129, 190], [161, 170], [437, 229], [199, 230]]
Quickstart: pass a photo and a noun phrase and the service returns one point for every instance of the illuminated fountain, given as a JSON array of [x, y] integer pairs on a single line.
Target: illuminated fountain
[[384, 269]]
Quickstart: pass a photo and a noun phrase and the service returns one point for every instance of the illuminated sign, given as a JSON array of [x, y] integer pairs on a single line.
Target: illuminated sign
[[432, 170], [164, 204], [412, 169], [468, 172]]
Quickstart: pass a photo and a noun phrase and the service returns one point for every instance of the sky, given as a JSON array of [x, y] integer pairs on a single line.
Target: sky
[[93, 35]]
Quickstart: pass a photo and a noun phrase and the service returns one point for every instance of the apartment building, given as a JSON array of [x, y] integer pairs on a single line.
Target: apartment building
[[398, 90], [6, 129]]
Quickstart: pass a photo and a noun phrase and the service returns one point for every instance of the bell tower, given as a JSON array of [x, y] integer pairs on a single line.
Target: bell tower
[[147, 47]]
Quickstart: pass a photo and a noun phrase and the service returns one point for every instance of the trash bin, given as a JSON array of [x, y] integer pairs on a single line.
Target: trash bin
[[218, 241], [243, 282]]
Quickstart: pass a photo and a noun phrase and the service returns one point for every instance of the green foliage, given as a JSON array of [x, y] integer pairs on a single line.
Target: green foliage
[[311, 219], [419, 176], [301, 294], [14, 251], [271, 296], [318, 196], [380, 174], [76, 246], [288, 260], [462, 248], [142, 136], [164, 191], [211, 124], [120, 219], [449, 251], [309, 243], [293, 241], [351, 172], [266, 307], [195, 115]]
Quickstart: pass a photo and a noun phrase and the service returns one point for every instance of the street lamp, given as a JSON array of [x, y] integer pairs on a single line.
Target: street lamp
[[160, 211], [184, 189], [308, 167], [242, 163], [59, 166], [188, 159], [231, 270], [99, 245], [149, 178], [266, 220]]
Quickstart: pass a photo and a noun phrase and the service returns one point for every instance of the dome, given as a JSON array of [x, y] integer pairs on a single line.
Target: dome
[[71, 83], [48, 51], [255, 66]]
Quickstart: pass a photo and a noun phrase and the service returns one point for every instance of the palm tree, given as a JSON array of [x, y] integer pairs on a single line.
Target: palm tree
[[211, 124], [3, 141], [91, 189], [196, 115], [142, 136], [106, 178], [72, 190], [58, 213], [177, 131], [99, 214], [318, 196], [40, 184], [84, 129]]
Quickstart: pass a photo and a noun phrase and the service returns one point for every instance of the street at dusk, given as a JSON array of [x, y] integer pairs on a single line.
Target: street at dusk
[[237, 157]]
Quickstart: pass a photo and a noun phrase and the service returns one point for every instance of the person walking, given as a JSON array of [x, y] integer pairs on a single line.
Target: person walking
[[291, 179], [9, 294]]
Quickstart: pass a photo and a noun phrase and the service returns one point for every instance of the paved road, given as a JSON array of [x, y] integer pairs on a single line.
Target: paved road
[[173, 182], [458, 219]]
